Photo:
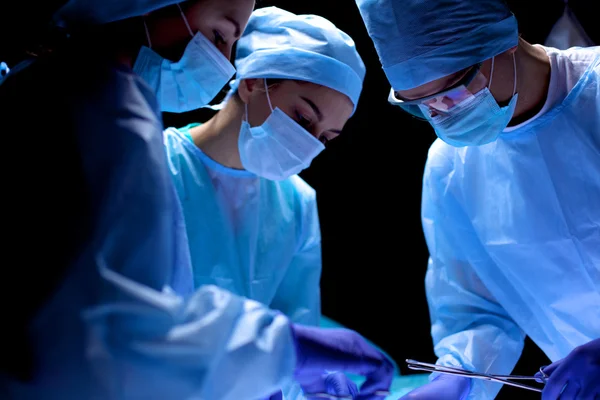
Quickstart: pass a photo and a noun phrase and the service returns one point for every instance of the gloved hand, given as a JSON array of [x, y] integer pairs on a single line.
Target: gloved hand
[[577, 376], [337, 384], [319, 349], [443, 387]]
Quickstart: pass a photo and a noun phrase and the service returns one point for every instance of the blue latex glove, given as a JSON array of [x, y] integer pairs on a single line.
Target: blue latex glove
[[577, 376], [319, 350], [444, 387]]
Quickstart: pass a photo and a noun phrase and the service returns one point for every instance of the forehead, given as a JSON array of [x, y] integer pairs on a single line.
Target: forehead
[[330, 102], [241, 9]]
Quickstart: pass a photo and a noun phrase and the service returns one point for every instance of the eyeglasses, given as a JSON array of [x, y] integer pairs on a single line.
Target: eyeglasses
[[441, 102]]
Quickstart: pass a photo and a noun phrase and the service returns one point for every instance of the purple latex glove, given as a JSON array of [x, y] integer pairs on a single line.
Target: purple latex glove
[[319, 349], [336, 384], [277, 396], [577, 376], [443, 387]]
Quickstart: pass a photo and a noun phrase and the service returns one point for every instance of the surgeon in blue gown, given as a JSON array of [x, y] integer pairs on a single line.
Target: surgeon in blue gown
[[95, 230], [511, 189], [252, 222]]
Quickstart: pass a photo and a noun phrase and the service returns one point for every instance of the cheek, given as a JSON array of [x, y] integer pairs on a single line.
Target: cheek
[[258, 110], [478, 83], [205, 30], [339, 116]]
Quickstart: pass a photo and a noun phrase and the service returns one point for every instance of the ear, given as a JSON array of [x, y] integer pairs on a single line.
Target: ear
[[246, 87]]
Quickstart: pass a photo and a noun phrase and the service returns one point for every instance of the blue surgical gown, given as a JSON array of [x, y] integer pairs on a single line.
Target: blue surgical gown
[[255, 237], [513, 231], [114, 327], [252, 236]]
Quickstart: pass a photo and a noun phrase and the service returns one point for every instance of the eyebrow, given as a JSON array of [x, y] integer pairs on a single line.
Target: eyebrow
[[314, 107], [238, 29], [318, 112]]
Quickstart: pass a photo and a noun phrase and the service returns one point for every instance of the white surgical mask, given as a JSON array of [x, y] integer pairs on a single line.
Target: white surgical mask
[[190, 83], [277, 149]]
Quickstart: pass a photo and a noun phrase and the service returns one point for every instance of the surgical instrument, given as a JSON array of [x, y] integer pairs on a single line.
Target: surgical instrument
[[504, 379]]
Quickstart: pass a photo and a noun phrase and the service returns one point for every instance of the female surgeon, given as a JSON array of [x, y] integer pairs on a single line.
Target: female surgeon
[[97, 311], [252, 222]]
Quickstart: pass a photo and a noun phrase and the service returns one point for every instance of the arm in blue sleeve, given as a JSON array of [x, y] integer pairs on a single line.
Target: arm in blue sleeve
[[298, 295], [469, 328], [215, 345], [143, 340], [135, 211]]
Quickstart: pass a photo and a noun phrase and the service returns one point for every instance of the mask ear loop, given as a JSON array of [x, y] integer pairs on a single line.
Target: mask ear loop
[[491, 73], [268, 100], [147, 34], [187, 24], [515, 73], [268, 97]]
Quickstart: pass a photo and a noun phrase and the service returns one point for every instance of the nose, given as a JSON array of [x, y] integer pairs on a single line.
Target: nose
[[315, 130], [318, 132], [225, 49]]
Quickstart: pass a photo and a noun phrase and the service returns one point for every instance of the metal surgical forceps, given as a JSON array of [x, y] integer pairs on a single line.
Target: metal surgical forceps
[[504, 379]]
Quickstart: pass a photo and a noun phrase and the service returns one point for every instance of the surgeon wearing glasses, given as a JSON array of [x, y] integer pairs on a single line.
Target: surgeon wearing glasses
[[511, 190]]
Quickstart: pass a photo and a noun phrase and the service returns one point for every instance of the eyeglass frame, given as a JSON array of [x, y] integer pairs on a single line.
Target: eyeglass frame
[[464, 81]]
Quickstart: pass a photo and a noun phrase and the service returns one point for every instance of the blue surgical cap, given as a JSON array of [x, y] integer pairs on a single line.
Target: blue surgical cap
[[279, 44], [419, 41]]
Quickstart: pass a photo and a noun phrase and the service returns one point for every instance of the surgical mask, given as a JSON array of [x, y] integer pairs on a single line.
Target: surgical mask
[[190, 83], [277, 149], [476, 120]]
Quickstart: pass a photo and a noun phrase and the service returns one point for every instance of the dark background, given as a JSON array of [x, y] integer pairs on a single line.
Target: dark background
[[369, 187]]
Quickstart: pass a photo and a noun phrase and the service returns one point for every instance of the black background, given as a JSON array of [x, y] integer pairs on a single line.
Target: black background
[[369, 187], [368, 184]]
